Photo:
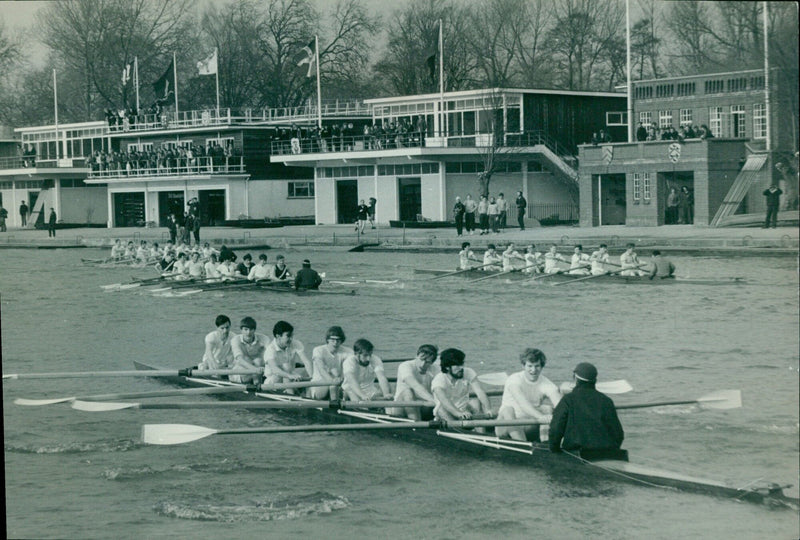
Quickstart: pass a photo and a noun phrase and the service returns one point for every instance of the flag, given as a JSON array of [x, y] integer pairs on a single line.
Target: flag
[[126, 74], [310, 58], [163, 87], [430, 62], [209, 65]]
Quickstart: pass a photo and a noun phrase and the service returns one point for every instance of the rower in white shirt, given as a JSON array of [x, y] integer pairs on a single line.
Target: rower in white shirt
[[211, 268], [414, 378], [360, 370], [492, 260], [117, 250], [466, 255], [227, 270], [180, 270], [599, 260], [524, 395], [218, 353], [509, 256], [551, 260], [142, 252], [579, 264], [629, 261], [248, 352], [261, 270], [195, 269], [283, 354], [533, 260], [327, 361], [208, 251], [452, 386]]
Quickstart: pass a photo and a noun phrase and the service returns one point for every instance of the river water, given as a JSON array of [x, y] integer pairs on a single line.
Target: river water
[[71, 474]]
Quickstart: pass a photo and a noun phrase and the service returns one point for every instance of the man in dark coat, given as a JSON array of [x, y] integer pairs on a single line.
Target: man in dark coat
[[522, 204], [773, 195], [585, 421], [51, 223]]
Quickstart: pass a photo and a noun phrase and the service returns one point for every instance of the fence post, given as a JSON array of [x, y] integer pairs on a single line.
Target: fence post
[[404, 233]]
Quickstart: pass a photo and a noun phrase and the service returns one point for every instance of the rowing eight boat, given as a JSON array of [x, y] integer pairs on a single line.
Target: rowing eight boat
[[519, 452], [608, 278]]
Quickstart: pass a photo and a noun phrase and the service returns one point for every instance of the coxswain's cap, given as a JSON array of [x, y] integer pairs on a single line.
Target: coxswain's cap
[[306, 262], [585, 372]]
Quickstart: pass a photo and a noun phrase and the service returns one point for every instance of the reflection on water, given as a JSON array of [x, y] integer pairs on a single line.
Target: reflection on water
[[87, 473]]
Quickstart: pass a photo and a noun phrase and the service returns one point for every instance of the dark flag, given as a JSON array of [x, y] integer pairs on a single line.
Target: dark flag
[[163, 87], [430, 62]]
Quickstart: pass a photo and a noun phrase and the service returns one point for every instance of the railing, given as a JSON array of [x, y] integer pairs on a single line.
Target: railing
[[227, 116], [170, 167], [389, 141], [31, 162], [17, 162], [554, 213]]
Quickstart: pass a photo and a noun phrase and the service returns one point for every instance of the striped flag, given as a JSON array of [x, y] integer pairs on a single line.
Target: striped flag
[[310, 58]]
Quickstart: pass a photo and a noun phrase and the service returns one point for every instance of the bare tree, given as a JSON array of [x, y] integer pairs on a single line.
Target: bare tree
[[498, 26], [536, 70]]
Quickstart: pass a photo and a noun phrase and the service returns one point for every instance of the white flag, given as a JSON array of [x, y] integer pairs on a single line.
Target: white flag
[[310, 57], [126, 74], [209, 65]]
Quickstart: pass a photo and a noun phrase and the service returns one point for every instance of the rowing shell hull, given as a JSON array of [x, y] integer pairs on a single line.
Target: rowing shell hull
[[557, 278], [563, 466]]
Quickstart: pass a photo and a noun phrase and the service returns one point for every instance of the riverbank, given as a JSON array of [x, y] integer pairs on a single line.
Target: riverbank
[[674, 238]]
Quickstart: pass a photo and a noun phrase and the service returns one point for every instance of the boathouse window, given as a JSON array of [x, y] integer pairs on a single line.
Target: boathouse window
[[686, 116], [7, 185], [637, 187], [686, 89], [757, 83], [616, 119], [301, 190], [759, 121], [664, 119], [646, 118], [714, 87], [715, 121], [738, 122], [646, 187]]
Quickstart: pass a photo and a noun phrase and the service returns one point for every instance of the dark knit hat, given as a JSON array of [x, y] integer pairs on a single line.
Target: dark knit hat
[[585, 372]]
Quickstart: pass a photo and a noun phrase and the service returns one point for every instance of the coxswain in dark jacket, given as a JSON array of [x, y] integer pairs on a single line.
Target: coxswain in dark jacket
[[307, 277], [586, 420]]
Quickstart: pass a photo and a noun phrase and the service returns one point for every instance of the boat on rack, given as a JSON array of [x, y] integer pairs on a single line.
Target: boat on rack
[[563, 277], [519, 453]]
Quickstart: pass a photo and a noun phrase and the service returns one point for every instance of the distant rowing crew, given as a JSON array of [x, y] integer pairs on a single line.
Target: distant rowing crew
[[587, 421], [533, 262]]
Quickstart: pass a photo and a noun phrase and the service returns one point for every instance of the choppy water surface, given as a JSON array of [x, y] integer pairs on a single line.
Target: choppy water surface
[[70, 474]]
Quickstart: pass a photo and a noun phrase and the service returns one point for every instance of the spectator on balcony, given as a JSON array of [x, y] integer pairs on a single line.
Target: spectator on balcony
[[605, 136], [641, 133]]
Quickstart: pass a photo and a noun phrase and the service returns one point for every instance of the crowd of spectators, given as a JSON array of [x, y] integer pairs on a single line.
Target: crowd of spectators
[[686, 131], [28, 154], [346, 137], [189, 158]]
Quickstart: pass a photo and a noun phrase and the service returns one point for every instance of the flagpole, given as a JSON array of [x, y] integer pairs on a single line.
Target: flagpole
[[136, 80], [442, 127], [766, 77], [55, 107], [628, 67], [175, 83], [216, 57], [319, 91]]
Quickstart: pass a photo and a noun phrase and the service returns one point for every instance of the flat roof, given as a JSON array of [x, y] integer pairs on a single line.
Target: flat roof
[[52, 127], [702, 75], [488, 91]]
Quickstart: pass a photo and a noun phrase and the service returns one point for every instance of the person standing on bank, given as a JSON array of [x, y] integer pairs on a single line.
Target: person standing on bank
[[585, 421], [51, 223], [3, 217], [458, 214], [773, 195], [522, 204], [502, 207], [371, 211], [23, 213], [470, 206]]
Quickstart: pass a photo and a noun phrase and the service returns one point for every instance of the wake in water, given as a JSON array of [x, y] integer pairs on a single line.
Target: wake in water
[[268, 510], [120, 445], [219, 467]]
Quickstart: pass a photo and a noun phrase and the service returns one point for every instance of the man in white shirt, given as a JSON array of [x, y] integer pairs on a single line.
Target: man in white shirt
[[551, 260], [524, 396], [414, 379], [218, 353], [491, 259], [466, 255], [261, 270], [452, 386], [509, 255], [282, 355], [599, 260], [360, 370], [579, 264], [533, 260], [327, 361], [195, 268], [629, 261], [248, 351]]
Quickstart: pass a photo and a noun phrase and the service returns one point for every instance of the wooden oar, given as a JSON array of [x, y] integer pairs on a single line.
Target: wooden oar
[[502, 273], [584, 278], [136, 395], [543, 275], [91, 406], [459, 271], [189, 372], [182, 433], [721, 399]]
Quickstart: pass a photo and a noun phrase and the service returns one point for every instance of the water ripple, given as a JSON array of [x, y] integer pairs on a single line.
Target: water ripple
[[120, 445], [292, 507]]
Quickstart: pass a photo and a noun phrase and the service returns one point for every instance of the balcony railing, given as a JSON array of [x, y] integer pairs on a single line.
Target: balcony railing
[[227, 116], [32, 162], [170, 167], [390, 141]]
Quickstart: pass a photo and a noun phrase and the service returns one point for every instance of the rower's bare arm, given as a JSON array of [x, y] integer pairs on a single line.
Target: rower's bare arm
[[419, 390], [553, 394], [448, 406], [309, 365], [481, 395], [383, 382]]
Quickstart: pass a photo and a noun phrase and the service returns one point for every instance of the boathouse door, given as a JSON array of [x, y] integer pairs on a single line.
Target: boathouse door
[[608, 199], [170, 202], [409, 193], [346, 201], [212, 207], [128, 209]]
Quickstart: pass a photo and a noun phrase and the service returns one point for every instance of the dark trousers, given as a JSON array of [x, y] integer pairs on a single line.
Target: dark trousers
[[470, 221], [51, 230], [772, 217], [459, 224], [484, 222], [503, 218], [24, 219], [196, 232], [521, 218]]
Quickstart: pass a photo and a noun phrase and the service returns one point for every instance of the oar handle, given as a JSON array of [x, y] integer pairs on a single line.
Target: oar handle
[[656, 404], [311, 404]]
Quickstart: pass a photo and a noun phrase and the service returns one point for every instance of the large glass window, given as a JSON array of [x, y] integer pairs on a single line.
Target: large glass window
[[715, 121], [301, 190], [646, 118], [664, 119], [759, 121], [738, 123], [686, 116]]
